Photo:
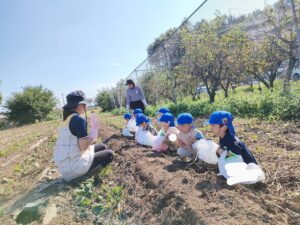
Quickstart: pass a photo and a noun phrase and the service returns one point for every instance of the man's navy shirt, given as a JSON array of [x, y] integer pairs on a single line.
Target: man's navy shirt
[[237, 147]]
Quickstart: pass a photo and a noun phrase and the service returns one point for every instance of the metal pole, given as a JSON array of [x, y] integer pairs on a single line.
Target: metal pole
[[63, 99]]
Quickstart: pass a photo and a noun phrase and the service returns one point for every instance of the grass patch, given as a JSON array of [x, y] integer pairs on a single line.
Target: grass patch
[[28, 135], [19, 144], [111, 120]]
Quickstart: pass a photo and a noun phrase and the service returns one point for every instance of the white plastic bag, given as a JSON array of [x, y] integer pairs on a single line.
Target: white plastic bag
[[236, 171], [158, 144], [126, 133], [144, 137], [206, 151], [131, 126], [251, 175], [223, 161]]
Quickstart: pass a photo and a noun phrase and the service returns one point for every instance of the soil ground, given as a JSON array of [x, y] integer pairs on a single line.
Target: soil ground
[[158, 189]]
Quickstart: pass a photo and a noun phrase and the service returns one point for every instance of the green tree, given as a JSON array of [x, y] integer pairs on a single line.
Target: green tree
[[166, 52], [157, 86], [233, 46], [105, 99], [263, 61], [283, 35], [206, 54], [32, 104]]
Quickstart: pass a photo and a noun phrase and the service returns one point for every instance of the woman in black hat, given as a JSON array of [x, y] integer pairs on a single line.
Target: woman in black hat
[[135, 97], [74, 153]]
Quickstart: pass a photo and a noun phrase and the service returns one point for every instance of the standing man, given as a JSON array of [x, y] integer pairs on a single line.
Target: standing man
[[135, 97]]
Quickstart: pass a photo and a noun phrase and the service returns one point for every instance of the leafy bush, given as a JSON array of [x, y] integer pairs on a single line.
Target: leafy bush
[[4, 124], [151, 110], [265, 104], [104, 99], [119, 111], [31, 105], [56, 114]]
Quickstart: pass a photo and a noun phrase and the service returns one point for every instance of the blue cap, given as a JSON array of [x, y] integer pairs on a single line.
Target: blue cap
[[127, 116], [141, 118], [167, 118], [163, 110], [223, 117], [185, 118], [137, 111]]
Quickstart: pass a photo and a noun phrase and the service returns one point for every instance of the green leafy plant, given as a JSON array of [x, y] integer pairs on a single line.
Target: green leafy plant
[[103, 200]]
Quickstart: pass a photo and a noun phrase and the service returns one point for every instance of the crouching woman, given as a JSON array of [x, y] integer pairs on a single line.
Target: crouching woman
[[74, 152]]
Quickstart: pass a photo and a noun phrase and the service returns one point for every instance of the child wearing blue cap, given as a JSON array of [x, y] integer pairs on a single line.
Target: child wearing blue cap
[[130, 127], [145, 134], [137, 111], [167, 125], [162, 111], [222, 127], [159, 113], [187, 136]]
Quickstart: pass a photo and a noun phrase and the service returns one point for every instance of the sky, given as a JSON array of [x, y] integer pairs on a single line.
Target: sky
[[68, 45]]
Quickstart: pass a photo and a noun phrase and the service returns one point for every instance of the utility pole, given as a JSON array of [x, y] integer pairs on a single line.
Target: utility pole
[[63, 99], [295, 19]]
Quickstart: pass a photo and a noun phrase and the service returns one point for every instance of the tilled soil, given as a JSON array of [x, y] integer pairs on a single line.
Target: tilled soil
[[162, 190], [159, 189]]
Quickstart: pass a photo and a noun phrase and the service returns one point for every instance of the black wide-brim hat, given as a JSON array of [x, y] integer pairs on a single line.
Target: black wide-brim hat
[[74, 99], [129, 82]]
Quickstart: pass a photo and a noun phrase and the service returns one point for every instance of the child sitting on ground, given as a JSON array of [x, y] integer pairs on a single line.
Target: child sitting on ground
[[222, 127], [130, 127], [167, 124], [187, 136], [137, 111], [233, 150], [146, 133], [159, 113]]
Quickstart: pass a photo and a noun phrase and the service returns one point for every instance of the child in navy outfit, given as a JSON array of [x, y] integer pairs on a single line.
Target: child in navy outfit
[[222, 127]]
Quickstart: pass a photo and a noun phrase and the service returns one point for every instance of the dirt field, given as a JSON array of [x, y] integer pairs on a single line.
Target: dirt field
[[157, 188]]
